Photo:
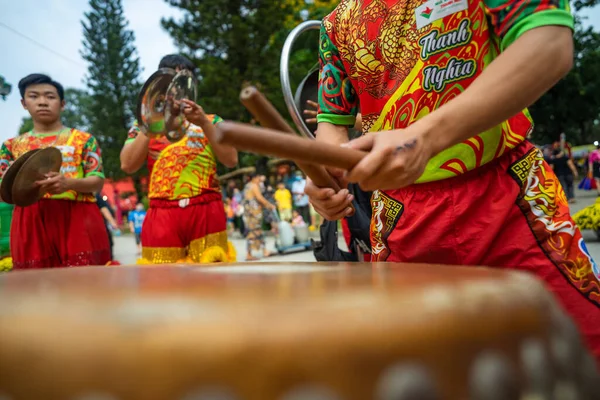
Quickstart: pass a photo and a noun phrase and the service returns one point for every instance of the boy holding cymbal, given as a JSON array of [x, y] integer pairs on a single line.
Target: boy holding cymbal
[[186, 219], [65, 227]]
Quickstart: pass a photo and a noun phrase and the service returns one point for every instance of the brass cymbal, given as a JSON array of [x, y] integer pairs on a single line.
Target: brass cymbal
[[11, 173], [183, 86], [159, 108], [25, 192]]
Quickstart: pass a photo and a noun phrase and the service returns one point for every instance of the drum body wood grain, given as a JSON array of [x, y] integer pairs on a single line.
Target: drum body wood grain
[[277, 331]]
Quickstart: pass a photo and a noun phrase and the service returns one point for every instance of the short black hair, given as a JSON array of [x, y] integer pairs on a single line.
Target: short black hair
[[177, 61], [39, 79]]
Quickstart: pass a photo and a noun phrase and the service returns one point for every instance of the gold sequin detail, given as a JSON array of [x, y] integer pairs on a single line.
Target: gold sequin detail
[[198, 246], [166, 255], [163, 255]]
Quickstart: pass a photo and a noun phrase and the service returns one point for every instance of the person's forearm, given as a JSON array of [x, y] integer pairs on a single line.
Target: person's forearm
[[108, 216], [572, 167], [226, 154], [518, 77], [333, 134], [89, 184], [134, 154]]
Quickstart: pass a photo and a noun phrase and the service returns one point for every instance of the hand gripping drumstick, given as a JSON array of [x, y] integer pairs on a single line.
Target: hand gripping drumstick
[[268, 116], [275, 143]]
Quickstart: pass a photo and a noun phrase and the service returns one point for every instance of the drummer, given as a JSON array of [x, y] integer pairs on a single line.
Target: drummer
[[65, 228], [455, 180], [186, 214]]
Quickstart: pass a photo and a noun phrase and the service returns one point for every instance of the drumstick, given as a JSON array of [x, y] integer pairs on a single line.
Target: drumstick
[[263, 111], [268, 116], [275, 143]]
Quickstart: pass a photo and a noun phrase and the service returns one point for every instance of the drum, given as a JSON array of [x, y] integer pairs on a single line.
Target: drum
[[286, 331]]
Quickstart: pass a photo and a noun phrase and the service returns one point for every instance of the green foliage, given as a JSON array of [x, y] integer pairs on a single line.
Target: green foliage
[[26, 125], [580, 4], [573, 105], [112, 79], [76, 113], [239, 42], [5, 88]]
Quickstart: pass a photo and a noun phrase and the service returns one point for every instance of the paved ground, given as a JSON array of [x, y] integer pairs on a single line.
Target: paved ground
[[125, 250]]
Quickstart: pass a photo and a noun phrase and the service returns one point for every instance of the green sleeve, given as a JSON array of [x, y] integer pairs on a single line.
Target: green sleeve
[[338, 101], [92, 159], [133, 132], [509, 19], [6, 158]]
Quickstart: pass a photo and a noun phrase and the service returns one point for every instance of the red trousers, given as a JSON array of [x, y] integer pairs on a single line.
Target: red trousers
[[510, 213], [58, 233], [175, 230]]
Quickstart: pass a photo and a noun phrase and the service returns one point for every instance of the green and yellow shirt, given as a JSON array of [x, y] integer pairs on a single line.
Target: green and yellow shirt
[[81, 156]]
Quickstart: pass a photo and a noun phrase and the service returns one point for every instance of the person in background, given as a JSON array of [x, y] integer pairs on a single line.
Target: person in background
[[186, 215], [594, 166], [230, 216], [238, 210], [300, 199], [136, 221], [283, 198], [270, 216], [297, 220], [109, 221], [565, 170], [315, 218], [254, 204]]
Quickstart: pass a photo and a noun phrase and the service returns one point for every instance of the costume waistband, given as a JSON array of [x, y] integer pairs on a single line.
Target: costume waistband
[[44, 202], [505, 159], [190, 201]]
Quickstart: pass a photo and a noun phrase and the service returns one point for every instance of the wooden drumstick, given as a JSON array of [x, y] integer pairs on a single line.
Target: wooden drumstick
[[275, 143], [263, 110], [268, 117]]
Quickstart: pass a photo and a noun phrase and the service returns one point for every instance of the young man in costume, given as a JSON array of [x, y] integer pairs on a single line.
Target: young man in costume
[[455, 180], [186, 216], [65, 228]]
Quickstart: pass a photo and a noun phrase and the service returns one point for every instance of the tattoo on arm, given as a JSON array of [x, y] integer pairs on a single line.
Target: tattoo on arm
[[406, 146]]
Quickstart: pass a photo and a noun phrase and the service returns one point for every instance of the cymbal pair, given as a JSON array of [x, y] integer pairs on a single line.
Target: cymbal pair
[[19, 182], [159, 107]]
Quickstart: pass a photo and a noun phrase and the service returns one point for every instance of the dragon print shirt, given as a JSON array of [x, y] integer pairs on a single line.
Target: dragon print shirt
[[395, 61]]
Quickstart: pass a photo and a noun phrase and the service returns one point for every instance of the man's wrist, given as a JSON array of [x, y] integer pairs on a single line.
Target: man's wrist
[[445, 127], [69, 183], [434, 139]]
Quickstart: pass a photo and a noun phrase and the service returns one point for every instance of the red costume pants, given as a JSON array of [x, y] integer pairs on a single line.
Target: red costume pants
[[181, 230], [510, 213], [58, 233]]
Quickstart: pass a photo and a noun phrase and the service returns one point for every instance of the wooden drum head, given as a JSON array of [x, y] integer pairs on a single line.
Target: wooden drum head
[[25, 192], [11, 173], [283, 331]]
